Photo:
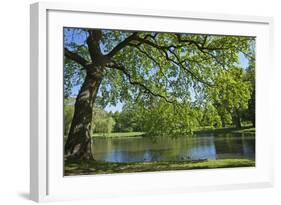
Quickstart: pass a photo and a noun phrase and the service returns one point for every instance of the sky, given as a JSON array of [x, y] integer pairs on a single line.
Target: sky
[[244, 63], [79, 38]]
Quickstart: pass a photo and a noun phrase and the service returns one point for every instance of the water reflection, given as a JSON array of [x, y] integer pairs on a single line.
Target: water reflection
[[142, 149]]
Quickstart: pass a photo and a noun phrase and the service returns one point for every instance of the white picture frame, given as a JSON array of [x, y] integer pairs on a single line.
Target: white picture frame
[[47, 182]]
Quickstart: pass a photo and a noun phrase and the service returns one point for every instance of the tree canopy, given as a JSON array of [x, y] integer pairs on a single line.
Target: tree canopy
[[163, 65]]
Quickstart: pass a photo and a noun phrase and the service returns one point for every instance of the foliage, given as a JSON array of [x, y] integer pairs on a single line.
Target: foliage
[[250, 77], [158, 118], [102, 122], [126, 121], [230, 93], [161, 61], [211, 116]]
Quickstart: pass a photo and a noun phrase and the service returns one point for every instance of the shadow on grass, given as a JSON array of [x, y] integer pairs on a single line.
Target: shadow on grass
[[99, 167]]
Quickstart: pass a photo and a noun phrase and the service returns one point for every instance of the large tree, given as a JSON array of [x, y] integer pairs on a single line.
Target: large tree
[[137, 66], [230, 95]]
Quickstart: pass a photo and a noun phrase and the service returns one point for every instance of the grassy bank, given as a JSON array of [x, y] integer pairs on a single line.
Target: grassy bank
[[96, 167], [118, 134], [243, 130], [198, 131], [205, 131]]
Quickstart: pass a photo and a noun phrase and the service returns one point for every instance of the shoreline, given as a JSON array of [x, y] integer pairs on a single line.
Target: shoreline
[[200, 131], [93, 167]]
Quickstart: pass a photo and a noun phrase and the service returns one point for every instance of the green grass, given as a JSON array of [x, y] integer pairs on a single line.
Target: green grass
[[118, 134], [251, 130], [243, 130], [98, 167], [206, 130]]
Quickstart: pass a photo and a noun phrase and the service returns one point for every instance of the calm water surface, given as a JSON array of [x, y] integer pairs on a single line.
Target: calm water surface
[[140, 149]]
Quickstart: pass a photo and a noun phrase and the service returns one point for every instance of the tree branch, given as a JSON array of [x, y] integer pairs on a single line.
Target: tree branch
[[165, 50], [180, 64], [137, 83], [251, 57], [93, 45], [153, 60], [75, 57], [203, 48], [121, 45]]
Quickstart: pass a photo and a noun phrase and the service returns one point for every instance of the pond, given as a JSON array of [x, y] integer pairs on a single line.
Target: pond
[[146, 149]]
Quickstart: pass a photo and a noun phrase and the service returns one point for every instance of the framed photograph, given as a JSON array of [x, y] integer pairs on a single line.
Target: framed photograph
[[127, 102]]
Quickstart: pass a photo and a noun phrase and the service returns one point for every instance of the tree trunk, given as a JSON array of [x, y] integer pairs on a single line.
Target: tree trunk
[[253, 121], [252, 108], [236, 118], [222, 121], [78, 144]]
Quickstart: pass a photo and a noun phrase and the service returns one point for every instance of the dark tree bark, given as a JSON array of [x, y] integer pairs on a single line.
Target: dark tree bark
[[236, 118], [252, 108], [78, 144], [222, 122]]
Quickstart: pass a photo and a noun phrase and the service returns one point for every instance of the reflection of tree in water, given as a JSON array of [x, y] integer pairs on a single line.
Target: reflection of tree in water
[[249, 146], [229, 146], [202, 148], [173, 149]]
